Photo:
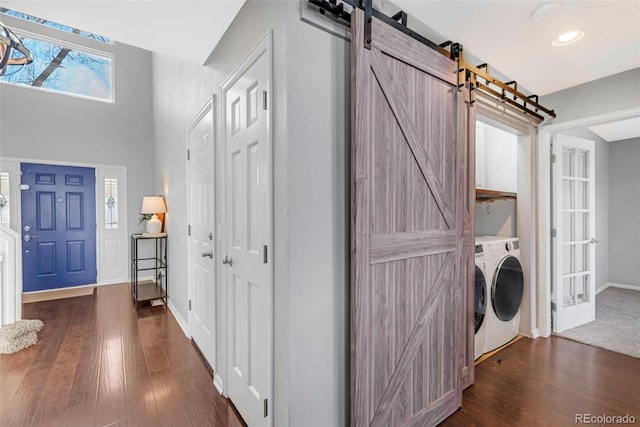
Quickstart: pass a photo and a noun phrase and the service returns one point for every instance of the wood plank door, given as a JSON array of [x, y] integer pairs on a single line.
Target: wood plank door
[[409, 262]]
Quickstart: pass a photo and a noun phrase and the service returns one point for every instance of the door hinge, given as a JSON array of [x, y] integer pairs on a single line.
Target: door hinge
[[189, 305], [189, 230], [553, 158], [553, 233], [188, 154], [553, 307], [265, 259], [266, 408], [264, 99]]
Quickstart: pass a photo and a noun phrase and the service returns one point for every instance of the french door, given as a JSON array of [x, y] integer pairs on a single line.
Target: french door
[[573, 293], [410, 230]]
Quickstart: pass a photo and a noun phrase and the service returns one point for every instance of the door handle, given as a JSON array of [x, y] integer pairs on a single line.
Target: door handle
[[593, 241], [227, 260], [28, 237], [207, 254]]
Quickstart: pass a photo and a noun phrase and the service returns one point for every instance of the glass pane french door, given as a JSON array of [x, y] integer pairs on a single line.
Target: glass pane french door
[[574, 221]]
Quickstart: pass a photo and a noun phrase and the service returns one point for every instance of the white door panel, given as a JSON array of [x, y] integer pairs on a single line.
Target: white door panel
[[248, 226], [201, 211], [573, 292]]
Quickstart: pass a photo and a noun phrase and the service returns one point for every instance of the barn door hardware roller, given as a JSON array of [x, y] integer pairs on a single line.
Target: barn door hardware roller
[[335, 10], [504, 92]]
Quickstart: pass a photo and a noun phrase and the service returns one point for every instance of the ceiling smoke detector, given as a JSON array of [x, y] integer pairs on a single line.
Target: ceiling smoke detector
[[570, 37], [541, 13]]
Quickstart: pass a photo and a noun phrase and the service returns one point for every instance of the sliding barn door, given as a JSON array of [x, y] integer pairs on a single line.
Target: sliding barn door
[[409, 263]]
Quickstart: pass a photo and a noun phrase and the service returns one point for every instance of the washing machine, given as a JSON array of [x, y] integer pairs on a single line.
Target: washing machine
[[504, 281], [480, 304]]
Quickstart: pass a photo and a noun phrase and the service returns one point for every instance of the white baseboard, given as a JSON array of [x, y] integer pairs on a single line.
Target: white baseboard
[[113, 282], [70, 288], [533, 334], [218, 384], [616, 285], [181, 322]]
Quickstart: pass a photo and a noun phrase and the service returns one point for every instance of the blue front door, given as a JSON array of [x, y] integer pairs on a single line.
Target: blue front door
[[58, 226]]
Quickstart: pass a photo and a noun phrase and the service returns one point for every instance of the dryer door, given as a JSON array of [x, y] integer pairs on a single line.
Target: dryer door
[[507, 288], [480, 298]]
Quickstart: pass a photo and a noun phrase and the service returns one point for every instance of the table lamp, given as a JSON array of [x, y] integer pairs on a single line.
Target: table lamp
[[153, 205]]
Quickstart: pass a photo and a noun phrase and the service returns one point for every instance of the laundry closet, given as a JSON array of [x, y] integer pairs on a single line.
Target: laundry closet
[[499, 276]]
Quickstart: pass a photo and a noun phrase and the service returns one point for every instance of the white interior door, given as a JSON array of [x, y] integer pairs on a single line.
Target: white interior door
[[201, 211], [248, 228], [573, 293]]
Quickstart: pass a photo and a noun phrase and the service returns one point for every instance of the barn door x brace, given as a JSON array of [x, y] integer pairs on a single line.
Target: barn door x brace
[[478, 77]]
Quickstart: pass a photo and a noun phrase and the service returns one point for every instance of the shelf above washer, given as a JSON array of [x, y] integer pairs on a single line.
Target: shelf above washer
[[483, 195]]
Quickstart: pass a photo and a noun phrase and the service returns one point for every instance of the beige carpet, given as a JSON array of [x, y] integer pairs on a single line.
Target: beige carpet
[[617, 324]]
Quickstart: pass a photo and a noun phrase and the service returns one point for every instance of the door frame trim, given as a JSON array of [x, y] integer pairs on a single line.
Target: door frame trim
[[524, 128], [544, 204], [99, 219], [263, 46]]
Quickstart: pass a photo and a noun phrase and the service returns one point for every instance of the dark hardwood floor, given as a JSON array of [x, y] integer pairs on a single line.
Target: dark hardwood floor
[[546, 382], [99, 363]]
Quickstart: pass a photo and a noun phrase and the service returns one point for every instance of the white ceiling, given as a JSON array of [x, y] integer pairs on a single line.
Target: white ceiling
[[618, 131], [504, 35], [501, 33], [186, 29]]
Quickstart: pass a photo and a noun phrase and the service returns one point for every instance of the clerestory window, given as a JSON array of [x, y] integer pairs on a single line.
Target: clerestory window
[[62, 62]]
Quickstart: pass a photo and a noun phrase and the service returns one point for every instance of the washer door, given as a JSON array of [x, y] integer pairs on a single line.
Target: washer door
[[480, 298], [507, 288]]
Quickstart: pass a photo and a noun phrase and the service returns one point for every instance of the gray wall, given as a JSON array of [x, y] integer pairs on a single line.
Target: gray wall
[[318, 143], [180, 90], [50, 127], [624, 216], [311, 183], [614, 93], [618, 92], [496, 219], [603, 206]]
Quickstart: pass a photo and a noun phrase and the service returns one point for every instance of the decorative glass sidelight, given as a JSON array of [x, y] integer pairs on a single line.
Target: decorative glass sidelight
[[575, 217], [111, 203], [4, 199]]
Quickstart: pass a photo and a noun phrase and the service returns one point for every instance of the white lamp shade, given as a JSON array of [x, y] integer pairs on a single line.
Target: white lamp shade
[[153, 205]]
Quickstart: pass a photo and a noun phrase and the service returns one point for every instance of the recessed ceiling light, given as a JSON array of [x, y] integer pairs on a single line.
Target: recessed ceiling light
[[568, 38]]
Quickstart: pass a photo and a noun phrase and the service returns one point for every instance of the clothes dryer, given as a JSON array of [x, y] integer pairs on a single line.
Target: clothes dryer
[[504, 287]]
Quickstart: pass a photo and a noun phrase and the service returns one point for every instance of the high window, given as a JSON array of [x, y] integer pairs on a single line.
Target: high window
[[65, 60]]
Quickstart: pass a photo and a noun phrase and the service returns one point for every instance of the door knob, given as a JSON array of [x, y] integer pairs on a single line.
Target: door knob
[[28, 237], [207, 254], [227, 260], [593, 241]]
